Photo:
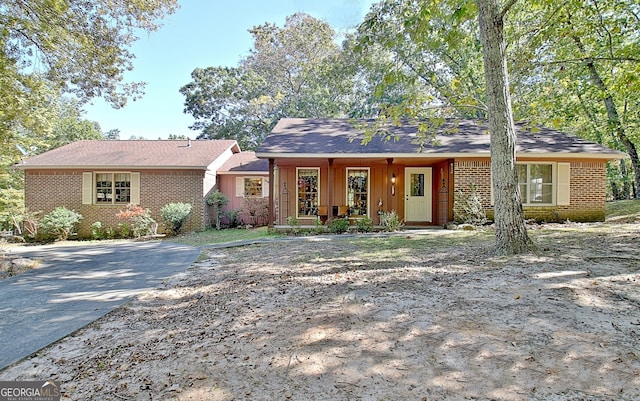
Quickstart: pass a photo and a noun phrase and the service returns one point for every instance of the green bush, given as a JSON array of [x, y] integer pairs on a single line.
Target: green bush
[[294, 225], [390, 221], [60, 223], [339, 226], [174, 215], [97, 232], [364, 225]]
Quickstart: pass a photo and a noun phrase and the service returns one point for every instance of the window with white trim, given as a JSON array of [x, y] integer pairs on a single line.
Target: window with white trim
[[308, 184], [112, 188], [358, 191], [252, 187], [535, 181]]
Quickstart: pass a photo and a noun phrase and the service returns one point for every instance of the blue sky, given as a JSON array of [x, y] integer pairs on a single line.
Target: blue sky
[[202, 33]]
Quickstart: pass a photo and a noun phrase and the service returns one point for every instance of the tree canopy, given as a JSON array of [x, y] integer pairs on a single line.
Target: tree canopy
[[73, 46]]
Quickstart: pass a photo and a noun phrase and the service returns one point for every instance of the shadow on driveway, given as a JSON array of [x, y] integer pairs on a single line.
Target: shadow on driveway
[[76, 285]]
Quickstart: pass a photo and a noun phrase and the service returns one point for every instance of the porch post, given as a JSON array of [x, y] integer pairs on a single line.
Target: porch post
[[271, 197], [388, 197], [330, 179]]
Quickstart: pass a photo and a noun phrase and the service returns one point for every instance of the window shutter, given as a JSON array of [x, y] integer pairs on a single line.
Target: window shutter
[[240, 187], [563, 184], [135, 188], [87, 188], [265, 187]]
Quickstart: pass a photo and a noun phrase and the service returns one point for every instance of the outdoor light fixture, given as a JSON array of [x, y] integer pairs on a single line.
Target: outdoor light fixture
[[393, 184]]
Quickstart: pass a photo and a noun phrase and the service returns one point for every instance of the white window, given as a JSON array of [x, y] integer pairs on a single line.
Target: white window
[[358, 191], [107, 188], [308, 184], [112, 188], [252, 187], [536, 183]]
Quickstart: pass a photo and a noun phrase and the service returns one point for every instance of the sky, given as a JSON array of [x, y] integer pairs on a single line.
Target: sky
[[202, 33]]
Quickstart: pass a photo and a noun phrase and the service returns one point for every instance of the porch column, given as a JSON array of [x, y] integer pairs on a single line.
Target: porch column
[[330, 179], [271, 189], [388, 197]]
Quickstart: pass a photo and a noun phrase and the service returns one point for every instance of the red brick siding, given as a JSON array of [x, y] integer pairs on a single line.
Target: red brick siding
[[46, 190], [587, 199]]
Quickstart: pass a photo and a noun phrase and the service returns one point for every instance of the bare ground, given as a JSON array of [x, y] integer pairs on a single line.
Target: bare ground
[[417, 317]]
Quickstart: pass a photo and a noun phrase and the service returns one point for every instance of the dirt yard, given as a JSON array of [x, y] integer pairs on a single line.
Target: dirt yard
[[411, 317]]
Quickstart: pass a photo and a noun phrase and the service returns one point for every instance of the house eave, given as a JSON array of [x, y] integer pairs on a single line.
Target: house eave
[[243, 172], [431, 155], [25, 166]]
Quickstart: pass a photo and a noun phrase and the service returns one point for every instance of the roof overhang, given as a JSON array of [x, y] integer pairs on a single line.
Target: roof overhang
[[243, 173], [24, 166], [558, 155]]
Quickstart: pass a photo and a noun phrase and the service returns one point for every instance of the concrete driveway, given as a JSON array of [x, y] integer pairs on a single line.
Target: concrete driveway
[[76, 285]]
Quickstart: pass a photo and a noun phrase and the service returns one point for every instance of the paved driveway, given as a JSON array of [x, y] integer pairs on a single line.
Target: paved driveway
[[76, 285]]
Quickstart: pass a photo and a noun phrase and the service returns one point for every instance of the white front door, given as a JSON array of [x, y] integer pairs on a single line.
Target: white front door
[[417, 189]]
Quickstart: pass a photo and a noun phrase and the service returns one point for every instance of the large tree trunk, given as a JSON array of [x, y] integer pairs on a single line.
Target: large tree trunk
[[511, 232]]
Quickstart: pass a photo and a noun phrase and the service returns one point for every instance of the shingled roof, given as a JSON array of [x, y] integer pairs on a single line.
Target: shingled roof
[[244, 162], [340, 138], [161, 154]]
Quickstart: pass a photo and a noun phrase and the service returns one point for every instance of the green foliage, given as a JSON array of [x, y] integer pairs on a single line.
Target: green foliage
[[217, 200], [294, 225], [97, 231], [139, 220], [339, 226], [293, 71], [467, 207], [318, 227], [390, 221], [364, 224], [60, 223], [174, 215]]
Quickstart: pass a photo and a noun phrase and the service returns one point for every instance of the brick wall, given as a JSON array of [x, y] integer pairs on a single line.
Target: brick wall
[[46, 190], [587, 199]]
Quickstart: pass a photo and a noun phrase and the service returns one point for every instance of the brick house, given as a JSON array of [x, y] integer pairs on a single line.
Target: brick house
[[319, 168], [100, 178]]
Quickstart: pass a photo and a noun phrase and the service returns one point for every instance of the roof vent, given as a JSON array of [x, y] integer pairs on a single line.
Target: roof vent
[[188, 142]]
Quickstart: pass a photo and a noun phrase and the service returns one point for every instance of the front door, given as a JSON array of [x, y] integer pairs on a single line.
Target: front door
[[417, 188]]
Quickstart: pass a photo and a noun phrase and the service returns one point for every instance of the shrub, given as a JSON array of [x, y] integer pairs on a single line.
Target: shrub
[[294, 225], [217, 200], [339, 226], [230, 219], [174, 215], [468, 207], [97, 231], [390, 221], [255, 211], [139, 220], [364, 225], [25, 224], [60, 223], [319, 227]]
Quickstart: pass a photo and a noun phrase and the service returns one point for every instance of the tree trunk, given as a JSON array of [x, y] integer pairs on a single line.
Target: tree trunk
[[511, 232]]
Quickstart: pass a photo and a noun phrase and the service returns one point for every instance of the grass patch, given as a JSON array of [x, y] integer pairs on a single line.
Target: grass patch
[[624, 211], [212, 236]]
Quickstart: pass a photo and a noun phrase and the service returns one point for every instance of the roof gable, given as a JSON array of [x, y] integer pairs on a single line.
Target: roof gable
[[340, 138], [163, 154]]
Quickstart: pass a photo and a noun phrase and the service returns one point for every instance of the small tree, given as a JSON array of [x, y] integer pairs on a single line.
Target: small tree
[[60, 223], [174, 215], [217, 200]]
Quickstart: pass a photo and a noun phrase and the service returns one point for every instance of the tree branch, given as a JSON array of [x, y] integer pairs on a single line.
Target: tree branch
[[506, 8]]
